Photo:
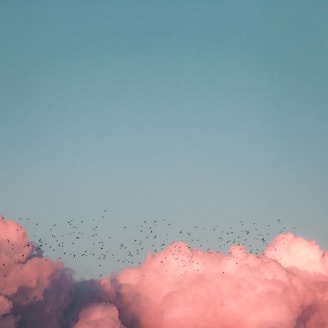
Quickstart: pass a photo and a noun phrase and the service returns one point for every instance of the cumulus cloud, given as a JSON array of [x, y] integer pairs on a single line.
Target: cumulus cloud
[[285, 287], [98, 316]]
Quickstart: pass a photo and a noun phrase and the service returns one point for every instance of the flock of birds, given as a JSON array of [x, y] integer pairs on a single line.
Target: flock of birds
[[98, 246]]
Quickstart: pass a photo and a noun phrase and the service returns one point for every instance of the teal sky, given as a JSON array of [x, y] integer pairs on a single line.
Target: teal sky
[[194, 111]]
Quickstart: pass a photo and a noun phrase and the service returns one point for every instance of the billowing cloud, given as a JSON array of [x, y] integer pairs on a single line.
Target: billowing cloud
[[285, 287], [184, 287], [98, 316]]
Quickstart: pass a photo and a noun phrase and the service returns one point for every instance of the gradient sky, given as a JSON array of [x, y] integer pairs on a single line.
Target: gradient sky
[[196, 111]]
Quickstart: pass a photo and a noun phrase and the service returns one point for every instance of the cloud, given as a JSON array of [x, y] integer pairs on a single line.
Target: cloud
[[98, 316], [285, 287]]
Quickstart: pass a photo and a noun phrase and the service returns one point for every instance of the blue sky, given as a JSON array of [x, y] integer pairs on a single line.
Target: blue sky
[[194, 111]]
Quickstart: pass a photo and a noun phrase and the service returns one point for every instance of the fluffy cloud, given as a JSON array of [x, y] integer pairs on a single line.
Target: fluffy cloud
[[285, 287]]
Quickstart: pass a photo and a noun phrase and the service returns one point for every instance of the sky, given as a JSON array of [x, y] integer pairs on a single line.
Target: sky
[[194, 113]]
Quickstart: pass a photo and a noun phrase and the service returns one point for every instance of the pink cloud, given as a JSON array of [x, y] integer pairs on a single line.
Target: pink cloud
[[180, 287], [98, 316]]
